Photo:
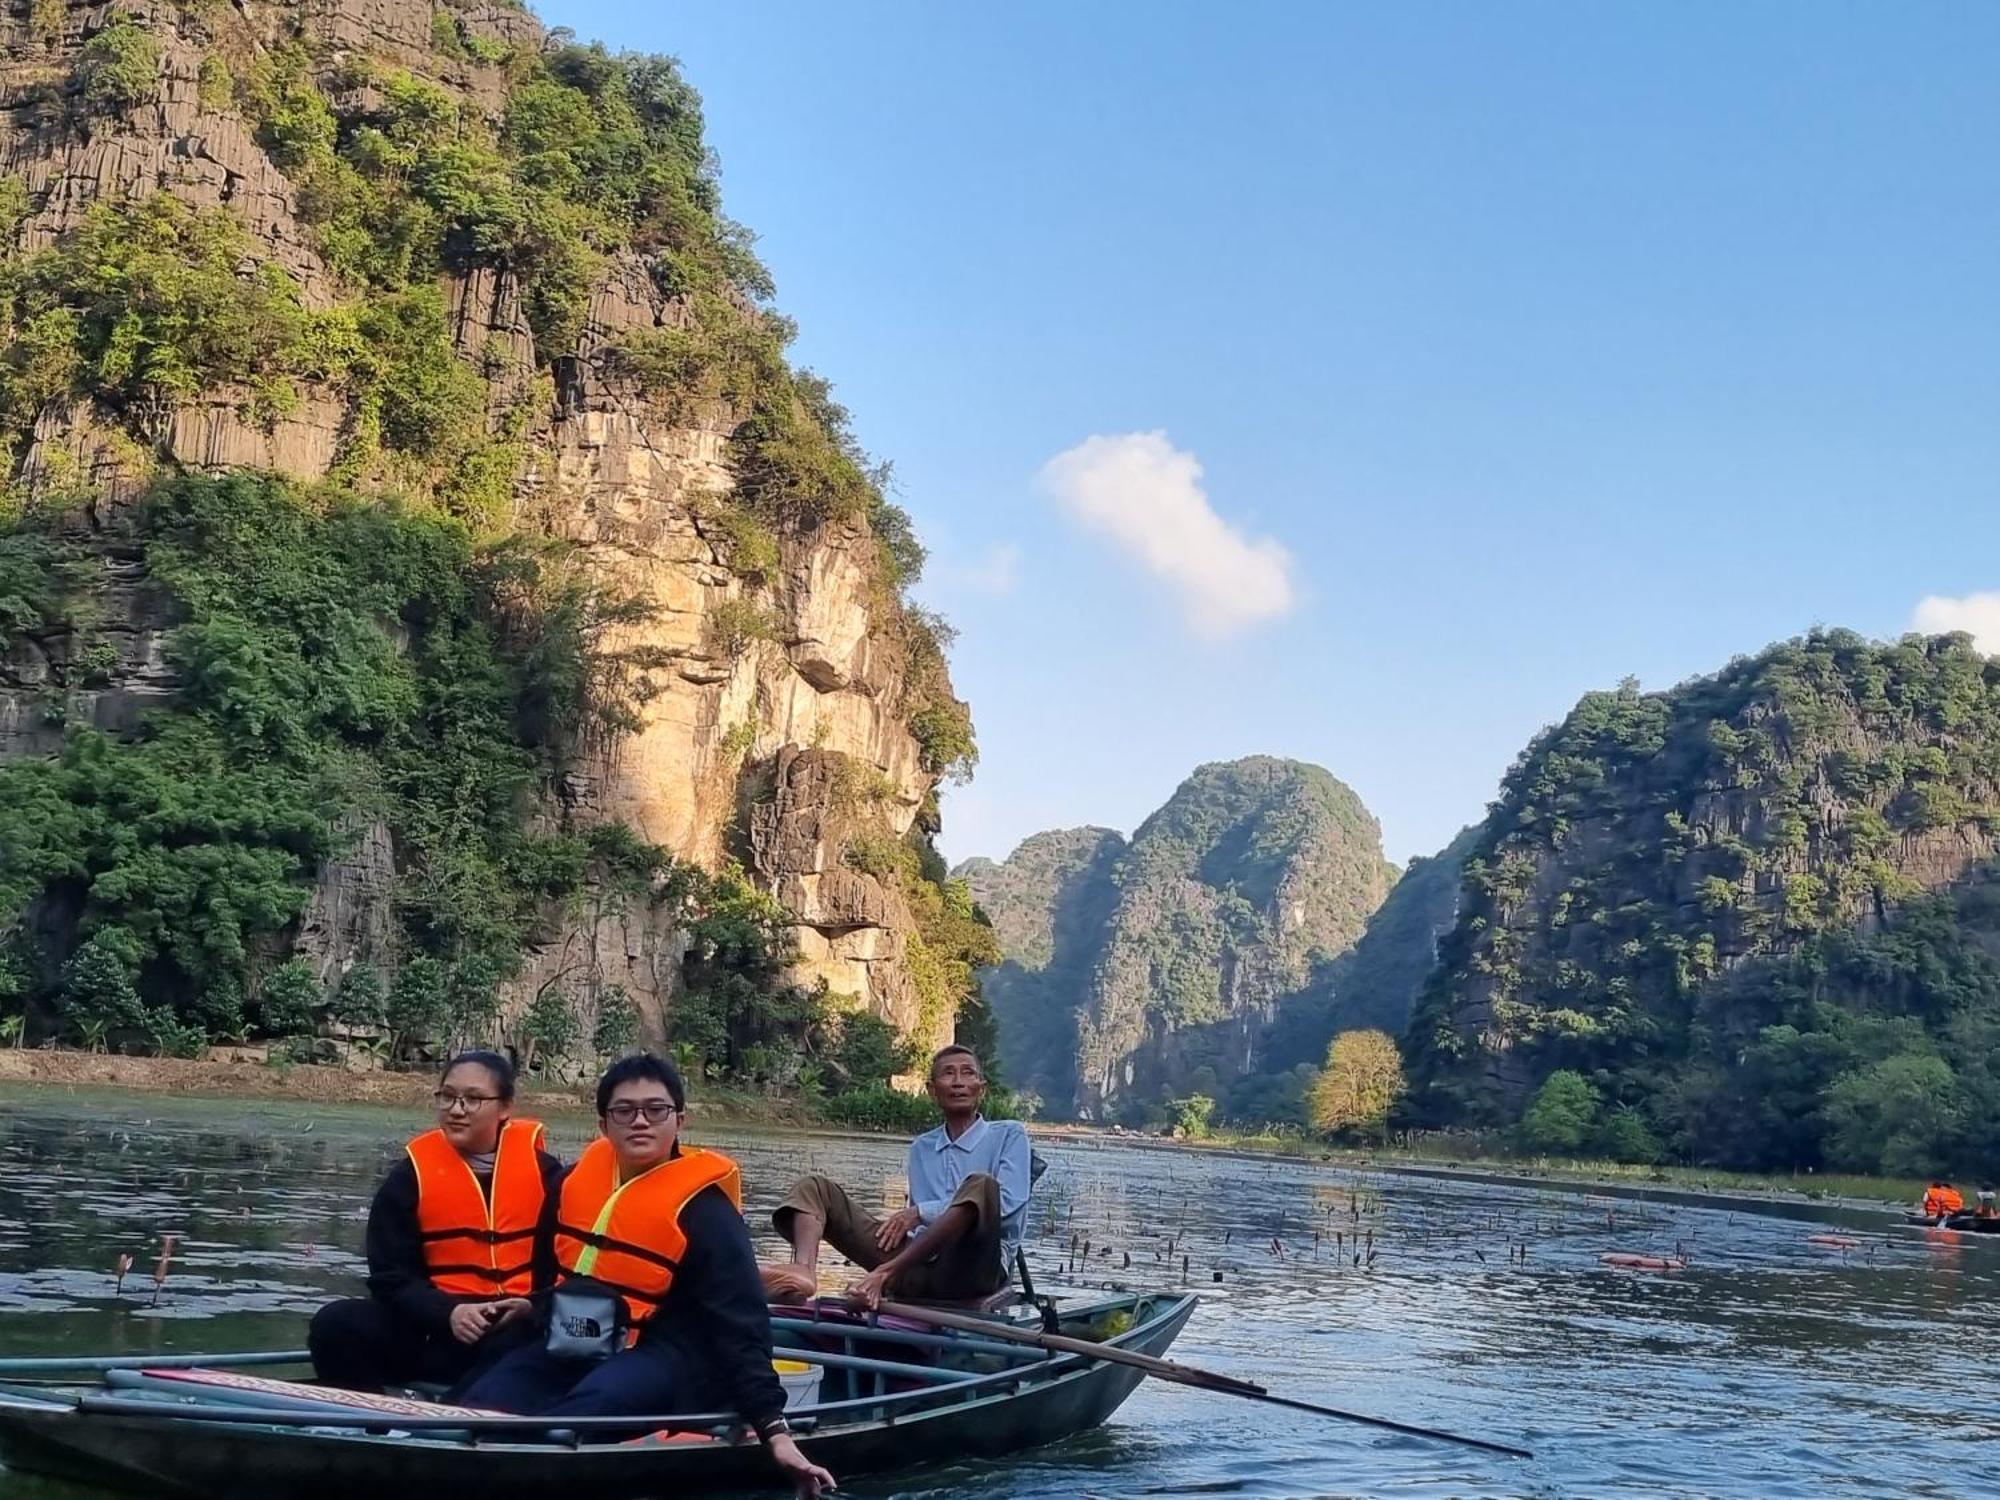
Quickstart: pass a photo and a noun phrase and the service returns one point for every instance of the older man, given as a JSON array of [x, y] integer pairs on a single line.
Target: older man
[[968, 1207]]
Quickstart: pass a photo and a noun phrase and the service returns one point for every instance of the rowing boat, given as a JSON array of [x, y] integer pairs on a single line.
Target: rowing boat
[[891, 1398], [1967, 1223]]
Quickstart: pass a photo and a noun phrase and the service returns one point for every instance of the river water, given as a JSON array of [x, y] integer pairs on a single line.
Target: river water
[[1769, 1367]]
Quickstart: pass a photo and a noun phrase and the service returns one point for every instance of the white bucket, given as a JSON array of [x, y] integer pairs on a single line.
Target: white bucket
[[800, 1380]]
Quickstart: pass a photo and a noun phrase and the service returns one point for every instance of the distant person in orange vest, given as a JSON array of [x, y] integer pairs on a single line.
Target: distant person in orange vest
[[656, 1305], [450, 1243], [1941, 1200]]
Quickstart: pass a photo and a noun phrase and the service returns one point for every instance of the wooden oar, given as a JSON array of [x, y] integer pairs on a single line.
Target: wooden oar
[[1166, 1369]]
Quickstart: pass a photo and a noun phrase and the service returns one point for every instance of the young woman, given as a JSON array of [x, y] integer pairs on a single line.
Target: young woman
[[451, 1243]]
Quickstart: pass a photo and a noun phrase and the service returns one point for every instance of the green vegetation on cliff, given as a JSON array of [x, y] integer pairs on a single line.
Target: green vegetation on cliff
[[398, 654], [592, 156], [341, 662], [1665, 903]]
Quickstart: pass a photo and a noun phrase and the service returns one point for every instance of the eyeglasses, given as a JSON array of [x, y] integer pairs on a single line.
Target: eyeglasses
[[625, 1111], [448, 1100]]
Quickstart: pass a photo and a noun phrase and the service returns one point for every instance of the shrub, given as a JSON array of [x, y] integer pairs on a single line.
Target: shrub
[[1562, 1115], [616, 1029], [746, 545], [879, 1107], [1190, 1116], [290, 999], [549, 1026], [360, 1002], [215, 85], [869, 1050], [1626, 1137], [100, 993], [39, 576], [735, 623], [419, 1005], [117, 69]]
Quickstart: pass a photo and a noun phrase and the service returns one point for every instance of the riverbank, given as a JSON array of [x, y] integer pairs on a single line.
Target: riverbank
[[1439, 1159], [244, 1078]]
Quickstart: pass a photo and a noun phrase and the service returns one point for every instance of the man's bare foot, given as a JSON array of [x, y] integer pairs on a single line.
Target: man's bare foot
[[789, 1283]]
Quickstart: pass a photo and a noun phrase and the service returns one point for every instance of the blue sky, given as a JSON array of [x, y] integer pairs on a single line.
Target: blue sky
[[1495, 353]]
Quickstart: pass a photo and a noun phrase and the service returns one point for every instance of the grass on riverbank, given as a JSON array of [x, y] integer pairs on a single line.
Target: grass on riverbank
[[1450, 1152], [240, 1078]]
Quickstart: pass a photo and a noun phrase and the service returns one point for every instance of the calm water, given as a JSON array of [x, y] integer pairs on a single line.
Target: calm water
[[1770, 1368]]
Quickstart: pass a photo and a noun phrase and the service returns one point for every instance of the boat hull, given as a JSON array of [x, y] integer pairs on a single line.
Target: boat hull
[[180, 1456]]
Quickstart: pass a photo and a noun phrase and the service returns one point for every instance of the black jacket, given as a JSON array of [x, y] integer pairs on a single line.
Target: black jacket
[[714, 1313], [397, 1277]]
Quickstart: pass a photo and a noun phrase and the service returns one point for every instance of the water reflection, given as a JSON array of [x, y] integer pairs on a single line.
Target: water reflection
[[1771, 1366]]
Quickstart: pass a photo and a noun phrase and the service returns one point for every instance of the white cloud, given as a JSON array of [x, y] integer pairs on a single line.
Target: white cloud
[[1978, 615], [1146, 495], [996, 573]]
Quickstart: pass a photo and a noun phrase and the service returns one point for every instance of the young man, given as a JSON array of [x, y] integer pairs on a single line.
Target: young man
[[969, 1182], [659, 1224]]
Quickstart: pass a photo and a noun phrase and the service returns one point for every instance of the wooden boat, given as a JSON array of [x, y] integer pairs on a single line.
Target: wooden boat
[[1967, 1223], [891, 1398]]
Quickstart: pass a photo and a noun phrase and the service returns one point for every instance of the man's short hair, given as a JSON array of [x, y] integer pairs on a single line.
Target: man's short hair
[[956, 1049], [641, 1065]]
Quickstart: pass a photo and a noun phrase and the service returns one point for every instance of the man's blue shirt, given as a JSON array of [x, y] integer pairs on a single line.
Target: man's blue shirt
[[999, 1148]]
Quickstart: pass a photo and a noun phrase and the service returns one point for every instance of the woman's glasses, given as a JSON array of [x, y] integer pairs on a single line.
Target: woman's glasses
[[625, 1111], [450, 1100]]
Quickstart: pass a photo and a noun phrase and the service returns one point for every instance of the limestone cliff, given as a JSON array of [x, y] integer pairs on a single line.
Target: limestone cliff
[[1654, 851], [1049, 902], [1375, 984], [623, 402], [1167, 958]]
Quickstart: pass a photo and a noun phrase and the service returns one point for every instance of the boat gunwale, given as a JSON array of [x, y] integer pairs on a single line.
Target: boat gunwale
[[457, 1434]]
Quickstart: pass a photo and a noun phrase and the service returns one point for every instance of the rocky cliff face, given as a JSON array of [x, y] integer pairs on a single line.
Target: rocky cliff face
[[1647, 847], [1168, 957], [1375, 984], [1049, 902], [755, 678]]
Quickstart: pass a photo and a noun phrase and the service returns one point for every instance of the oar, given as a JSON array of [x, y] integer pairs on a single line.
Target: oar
[[1166, 1369]]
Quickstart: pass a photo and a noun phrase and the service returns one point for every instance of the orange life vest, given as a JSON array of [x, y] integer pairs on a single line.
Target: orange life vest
[[1944, 1200], [628, 1235], [478, 1244]]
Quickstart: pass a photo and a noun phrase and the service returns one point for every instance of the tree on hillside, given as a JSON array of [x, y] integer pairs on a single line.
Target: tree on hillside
[[1899, 1116], [1190, 1116], [1562, 1115], [1361, 1084]]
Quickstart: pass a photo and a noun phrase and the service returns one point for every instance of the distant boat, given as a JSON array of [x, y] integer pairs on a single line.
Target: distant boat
[[1968, 1223], [891, 1397]]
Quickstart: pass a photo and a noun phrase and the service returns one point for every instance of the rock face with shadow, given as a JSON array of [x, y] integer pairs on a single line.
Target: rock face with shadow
[[1142, 970], [738, 668]]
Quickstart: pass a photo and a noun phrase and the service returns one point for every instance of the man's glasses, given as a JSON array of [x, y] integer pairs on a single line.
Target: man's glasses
[[448, 1100], [625, 1111]]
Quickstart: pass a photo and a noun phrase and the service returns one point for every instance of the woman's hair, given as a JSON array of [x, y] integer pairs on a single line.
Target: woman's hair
[[501, 1069]]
